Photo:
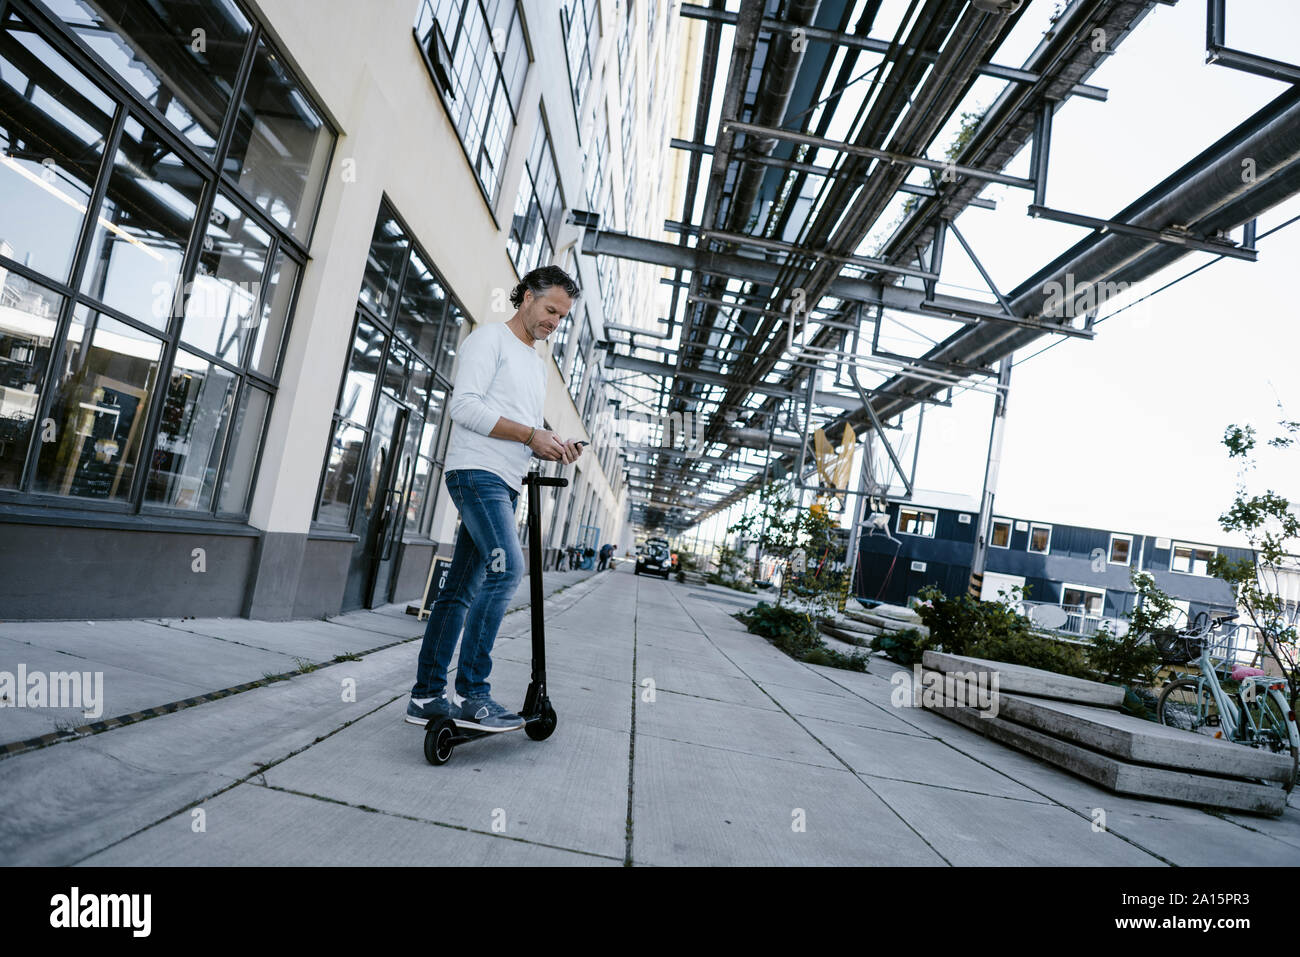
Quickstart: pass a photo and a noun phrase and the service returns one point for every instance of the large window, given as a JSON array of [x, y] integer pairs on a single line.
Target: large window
[[404, 345], [160, 169], [917, 521], [539, 207], [477, 53], [1040, 538], [1191, 559], [577, 18]]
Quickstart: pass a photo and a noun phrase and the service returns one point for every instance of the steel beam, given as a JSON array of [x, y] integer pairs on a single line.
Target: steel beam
[[748, 269], [828, 399], [991, 176], [1169, 236], [872, 45], [827, 172]]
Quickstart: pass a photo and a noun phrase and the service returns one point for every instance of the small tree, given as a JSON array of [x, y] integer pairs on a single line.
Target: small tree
[[779, 526], [1127, 658], [1272, 529]]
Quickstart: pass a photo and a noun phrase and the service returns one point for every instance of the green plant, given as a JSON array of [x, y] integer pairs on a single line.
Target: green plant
[[1033, 651], [960, 625], [795, 633], [904, 647], [835, 659], [790, 630], [780, 526]]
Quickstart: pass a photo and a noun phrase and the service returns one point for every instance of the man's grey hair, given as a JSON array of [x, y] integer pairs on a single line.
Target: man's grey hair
[[542, 279]]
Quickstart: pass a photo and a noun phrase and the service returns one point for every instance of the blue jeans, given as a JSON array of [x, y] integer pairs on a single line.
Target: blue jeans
[[486, 568]]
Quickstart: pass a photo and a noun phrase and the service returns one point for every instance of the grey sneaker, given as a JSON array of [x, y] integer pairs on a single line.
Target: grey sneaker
[[486, 715], [438, 707]]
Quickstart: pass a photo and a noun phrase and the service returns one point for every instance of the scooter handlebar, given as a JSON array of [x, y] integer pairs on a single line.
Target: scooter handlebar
[[532, 478]]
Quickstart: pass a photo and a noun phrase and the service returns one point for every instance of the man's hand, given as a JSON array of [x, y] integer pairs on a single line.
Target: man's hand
[[547, 445], [574, 448]]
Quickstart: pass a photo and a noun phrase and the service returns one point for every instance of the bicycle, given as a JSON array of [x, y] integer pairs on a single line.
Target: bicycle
[[1256, 713]]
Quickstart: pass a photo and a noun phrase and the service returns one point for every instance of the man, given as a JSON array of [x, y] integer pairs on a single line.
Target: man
[[496, 414]]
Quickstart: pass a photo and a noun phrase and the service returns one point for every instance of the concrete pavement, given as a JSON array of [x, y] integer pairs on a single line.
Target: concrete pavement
[[682, 739]]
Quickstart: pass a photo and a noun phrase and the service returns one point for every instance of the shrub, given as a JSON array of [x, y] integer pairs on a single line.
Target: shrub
[[903, 647], [791, 631], [1034, 652], [795, 634], [1122, 658]]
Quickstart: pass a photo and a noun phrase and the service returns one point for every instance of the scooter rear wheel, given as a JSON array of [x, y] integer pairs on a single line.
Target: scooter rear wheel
[[543, 727], [437, 742]]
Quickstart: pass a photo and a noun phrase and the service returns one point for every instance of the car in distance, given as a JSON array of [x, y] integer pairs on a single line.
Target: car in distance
[[654, 558]]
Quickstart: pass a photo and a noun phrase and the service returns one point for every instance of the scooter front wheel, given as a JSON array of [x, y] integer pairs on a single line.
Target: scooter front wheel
[[544, 726], [437, 741]]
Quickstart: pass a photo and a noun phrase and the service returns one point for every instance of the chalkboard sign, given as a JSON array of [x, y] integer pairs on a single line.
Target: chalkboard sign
[[432, 587]]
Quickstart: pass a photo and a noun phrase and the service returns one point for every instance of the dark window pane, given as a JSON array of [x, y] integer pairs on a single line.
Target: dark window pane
[[384, 264], [418, 386], [450, 341], [419, 318], [221, 311], [28, 315], [100, 403], [53, 123], [250, 420], [341, 474], [280, 146], [433, 425], [191, 434], [396, 369], [363, 369], [181, 57], [419, 491], [277, 298], [144, 226]]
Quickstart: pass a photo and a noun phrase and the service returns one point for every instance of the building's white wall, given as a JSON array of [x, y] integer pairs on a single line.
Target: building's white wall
[[363, 67]]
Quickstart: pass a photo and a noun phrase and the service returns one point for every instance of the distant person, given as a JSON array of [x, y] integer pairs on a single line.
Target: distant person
[[606, 551], [499, 390]]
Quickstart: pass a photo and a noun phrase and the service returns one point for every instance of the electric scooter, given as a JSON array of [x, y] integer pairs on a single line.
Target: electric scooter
[[441, 735]]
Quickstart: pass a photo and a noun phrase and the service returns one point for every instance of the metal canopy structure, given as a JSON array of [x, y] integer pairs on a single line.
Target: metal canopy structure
[[782, 282]]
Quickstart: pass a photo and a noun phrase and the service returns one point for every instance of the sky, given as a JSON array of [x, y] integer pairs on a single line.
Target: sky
[[1124, 431]]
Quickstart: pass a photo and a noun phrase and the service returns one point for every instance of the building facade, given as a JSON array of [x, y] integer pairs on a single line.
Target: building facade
[[1085, 571], [240, 244]]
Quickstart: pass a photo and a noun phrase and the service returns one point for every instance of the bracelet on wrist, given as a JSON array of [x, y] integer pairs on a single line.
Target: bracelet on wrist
[[531, 433]]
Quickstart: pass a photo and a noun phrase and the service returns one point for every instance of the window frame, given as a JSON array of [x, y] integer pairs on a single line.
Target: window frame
[[917, 510], [1191, 567], [1029, 542], [1086, 590], [437, 458], [1110, 552], [129, 106], [490, 197], [1010, 525]]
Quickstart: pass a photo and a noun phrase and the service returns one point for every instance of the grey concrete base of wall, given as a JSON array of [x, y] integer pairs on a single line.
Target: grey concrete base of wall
[[273, 581], [60, 572], [1124, 777]]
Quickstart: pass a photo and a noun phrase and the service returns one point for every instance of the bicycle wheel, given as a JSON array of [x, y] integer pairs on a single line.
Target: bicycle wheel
[[1270, 727], [1188, 704]]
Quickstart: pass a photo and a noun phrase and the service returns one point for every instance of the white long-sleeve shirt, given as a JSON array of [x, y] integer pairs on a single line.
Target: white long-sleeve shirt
[[497, 376]]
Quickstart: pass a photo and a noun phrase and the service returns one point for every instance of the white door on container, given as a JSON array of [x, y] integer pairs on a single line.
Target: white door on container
[[995, 582]]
